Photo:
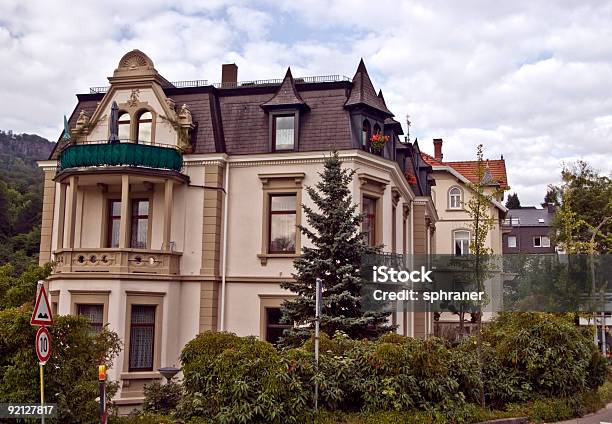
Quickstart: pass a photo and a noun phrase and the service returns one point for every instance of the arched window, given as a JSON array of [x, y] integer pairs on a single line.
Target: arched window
[[461, 242], [124, 126], [143, 130], [366, 132], [376, 129], [454, 198]]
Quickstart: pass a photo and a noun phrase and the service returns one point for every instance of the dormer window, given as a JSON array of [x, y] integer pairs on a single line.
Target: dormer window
[[283, 132], [284, 110], [144, 126], [124, 126]]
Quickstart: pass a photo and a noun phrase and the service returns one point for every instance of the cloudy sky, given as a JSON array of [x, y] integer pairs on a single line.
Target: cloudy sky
[[531, 80]]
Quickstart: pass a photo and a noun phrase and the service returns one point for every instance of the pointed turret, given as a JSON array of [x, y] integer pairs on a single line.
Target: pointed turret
[[286, 96], [363, 92]]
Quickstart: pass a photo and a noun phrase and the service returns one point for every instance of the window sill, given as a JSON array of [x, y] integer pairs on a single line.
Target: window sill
[[140, 375], [455, 210], [263, 257]]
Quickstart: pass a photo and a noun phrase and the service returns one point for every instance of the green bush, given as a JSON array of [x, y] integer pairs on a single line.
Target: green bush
[[239, 380], [529, 359], [535, 354], [162, 398], [71, 375]]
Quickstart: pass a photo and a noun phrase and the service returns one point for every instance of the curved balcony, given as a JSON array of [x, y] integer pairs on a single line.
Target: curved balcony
[[114, 260], [124, 153]]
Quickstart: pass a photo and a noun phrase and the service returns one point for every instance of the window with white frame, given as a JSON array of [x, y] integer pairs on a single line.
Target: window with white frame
[[283, 132], [144, 129], [541, 241], [454, 198], [511, 241], [461, 242]]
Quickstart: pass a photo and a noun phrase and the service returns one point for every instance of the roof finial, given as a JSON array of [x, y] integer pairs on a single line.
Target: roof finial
[[408, 123]]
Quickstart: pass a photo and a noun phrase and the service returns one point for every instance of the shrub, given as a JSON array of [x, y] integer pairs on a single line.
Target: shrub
[[529, 359], [537, 354], [239, 380], [162, 398], [71, 377]]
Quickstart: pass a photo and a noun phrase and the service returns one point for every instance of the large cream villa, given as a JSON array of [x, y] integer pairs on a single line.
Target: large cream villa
[[186, 221]]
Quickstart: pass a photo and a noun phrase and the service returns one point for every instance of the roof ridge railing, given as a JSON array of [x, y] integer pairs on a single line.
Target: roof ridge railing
[[239, 84]]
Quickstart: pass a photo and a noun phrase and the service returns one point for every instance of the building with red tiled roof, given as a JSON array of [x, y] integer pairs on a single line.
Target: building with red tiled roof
[[451, 194]]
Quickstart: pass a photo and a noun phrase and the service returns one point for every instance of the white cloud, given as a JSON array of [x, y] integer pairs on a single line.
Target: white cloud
[[529, 80]]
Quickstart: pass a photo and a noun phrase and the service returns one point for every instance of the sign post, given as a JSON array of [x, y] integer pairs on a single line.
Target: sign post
[[318, 295], [42, 317]]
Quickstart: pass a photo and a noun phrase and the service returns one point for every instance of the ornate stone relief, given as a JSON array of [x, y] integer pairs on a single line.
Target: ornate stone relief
[[133, 101]]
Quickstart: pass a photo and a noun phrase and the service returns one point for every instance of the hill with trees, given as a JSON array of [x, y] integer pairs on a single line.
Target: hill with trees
[[21, 188]]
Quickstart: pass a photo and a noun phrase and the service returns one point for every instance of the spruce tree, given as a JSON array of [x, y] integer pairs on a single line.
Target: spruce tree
[[338, 245], [513, 201]]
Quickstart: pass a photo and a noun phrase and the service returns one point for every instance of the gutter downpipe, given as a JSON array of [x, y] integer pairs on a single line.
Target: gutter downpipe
[[224, 253]]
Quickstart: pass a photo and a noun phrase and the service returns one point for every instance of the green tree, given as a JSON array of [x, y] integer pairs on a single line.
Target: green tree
[[18, 289], [71, 373], [552, 195], [338, 248], [482, 222], [5, 225], [513, 201], [585, 214]]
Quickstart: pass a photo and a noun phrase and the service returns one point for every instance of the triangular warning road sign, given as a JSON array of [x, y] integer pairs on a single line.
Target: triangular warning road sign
[[42, 311]]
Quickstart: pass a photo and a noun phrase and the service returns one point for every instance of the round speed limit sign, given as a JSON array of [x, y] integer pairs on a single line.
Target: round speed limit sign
[[43, 344]]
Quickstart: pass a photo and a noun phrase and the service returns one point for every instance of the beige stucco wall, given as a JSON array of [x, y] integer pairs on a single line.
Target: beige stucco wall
[[247, 278], [246, 210], [163, 130], [451, 220], [180, 310]]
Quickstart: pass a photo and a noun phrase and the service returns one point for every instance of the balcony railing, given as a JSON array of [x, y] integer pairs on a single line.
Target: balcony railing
[[253, 83], [124, 153], [111, 260]]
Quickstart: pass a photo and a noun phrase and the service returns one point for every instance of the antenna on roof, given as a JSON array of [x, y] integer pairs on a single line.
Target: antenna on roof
[[408, 123]]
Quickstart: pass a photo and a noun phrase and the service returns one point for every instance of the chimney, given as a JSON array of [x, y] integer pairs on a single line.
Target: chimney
[[438, 149], [229, 74]]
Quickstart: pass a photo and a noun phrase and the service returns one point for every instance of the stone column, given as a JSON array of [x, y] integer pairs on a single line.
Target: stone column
[[61, 216], [124, 240], [73, 183], [168, 201]]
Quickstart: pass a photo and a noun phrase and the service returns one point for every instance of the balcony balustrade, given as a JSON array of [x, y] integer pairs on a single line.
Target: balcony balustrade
[[112, 260], [124, 153]]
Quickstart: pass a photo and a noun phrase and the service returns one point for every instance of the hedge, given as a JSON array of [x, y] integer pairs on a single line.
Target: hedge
[[537, 365]]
